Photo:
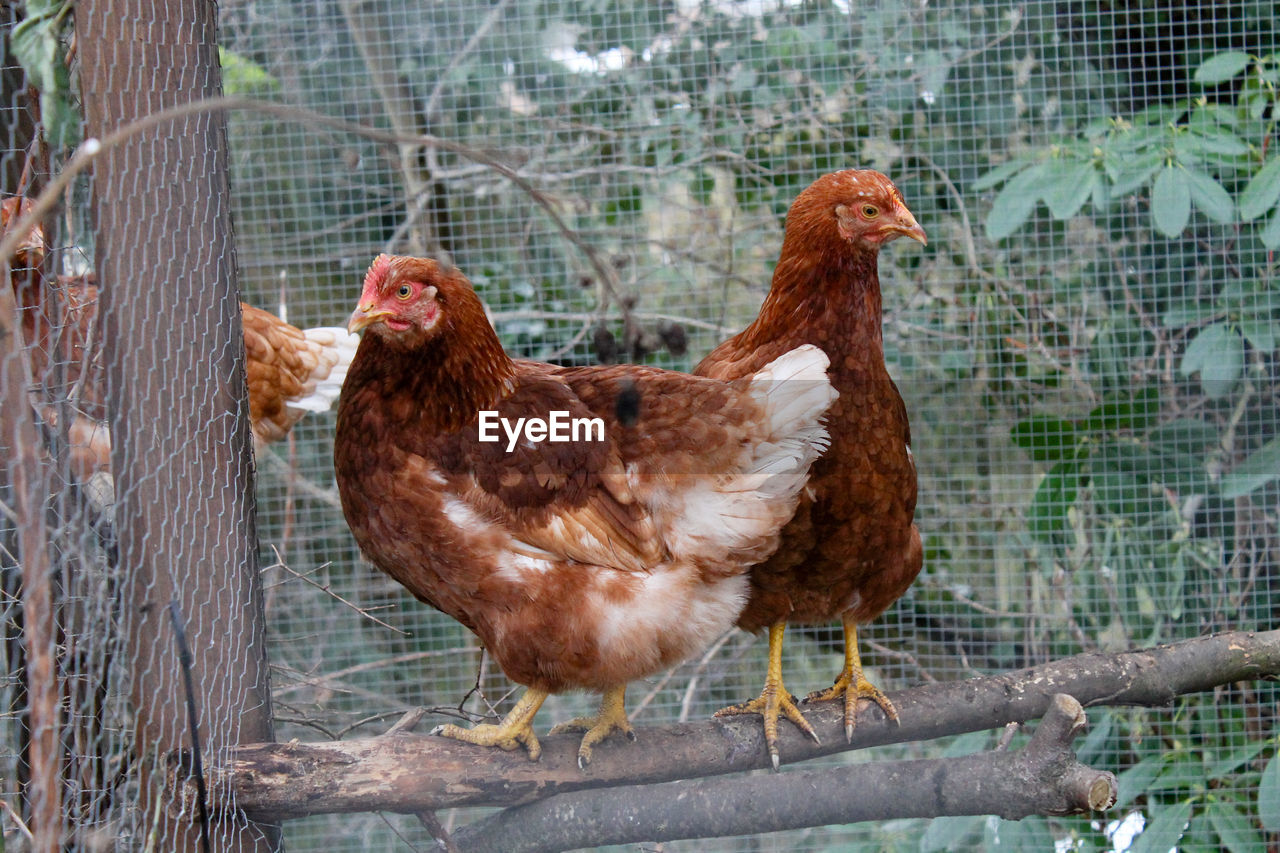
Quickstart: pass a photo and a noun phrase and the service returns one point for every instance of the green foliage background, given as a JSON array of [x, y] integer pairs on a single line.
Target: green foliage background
[[1087, 346]]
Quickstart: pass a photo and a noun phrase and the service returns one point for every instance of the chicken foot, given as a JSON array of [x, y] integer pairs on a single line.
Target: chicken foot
[[851, 684], [515, 729], [774, 700], [611, 718]]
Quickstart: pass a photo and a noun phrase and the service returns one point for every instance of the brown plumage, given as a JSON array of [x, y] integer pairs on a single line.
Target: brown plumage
[[579, 564], [852, 549], [290, 371]]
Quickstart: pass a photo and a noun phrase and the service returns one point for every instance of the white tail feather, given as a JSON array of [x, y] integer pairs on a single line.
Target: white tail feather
[[339, 347], [742, 514], [796, 393]]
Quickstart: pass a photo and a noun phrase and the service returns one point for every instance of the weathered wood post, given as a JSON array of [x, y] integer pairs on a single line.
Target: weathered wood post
[[174, 354]]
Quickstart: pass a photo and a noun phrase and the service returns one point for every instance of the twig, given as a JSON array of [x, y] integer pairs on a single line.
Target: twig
[[441, 835], [460, 56], [280, 564], [670, 674], [17, 820], [407, 722], [193, 722], [382, 663]]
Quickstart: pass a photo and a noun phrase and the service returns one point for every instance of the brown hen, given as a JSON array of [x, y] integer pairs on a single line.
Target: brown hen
[[290, 371], [851, 550], [585, 563]]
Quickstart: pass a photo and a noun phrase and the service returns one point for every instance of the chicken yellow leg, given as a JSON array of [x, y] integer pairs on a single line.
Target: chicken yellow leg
[[612, 718], [774, 700], [851, 684], [516, 727]]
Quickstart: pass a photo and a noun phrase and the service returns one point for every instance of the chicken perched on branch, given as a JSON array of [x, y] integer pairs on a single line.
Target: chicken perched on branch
[[852, 549], [290, 371], [585, 563]]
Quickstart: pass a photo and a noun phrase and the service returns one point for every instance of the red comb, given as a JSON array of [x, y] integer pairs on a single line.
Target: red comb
[[377, 271]]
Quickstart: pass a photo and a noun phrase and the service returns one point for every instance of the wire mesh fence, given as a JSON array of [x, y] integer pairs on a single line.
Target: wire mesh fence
[[1087, 346]]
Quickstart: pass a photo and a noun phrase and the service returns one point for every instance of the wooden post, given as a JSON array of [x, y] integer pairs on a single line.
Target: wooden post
[[174, 355]]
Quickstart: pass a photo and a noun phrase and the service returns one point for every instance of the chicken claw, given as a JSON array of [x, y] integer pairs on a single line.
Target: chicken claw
[[612, 718], [774, 700], [852, 685], [515, 729]]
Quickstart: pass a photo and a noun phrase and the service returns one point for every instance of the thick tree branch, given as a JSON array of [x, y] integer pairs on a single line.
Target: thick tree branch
[[411, 773], [1042, 778]]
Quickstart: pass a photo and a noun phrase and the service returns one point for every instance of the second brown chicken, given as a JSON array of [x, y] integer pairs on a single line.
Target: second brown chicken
[[852, 548]]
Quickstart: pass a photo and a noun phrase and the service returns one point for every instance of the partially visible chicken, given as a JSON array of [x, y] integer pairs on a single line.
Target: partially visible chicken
[[290, 371], [585, 563], [852, 548]]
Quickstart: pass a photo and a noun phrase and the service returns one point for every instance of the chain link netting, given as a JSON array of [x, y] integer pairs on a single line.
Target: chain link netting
[[1087, 346]]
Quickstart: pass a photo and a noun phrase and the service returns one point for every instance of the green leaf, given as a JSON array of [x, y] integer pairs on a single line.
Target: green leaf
[[1227, 764], [1271, 234], [1170, 201], [1090, 749], [1189, 311], [1209, 196], [1101, 195], [61, 118], [243, 76], [950, 833], [1217, 353], [967, 744], [1269, 796], [1031, 833], [1129, 173], [1013, 205], [1212, 140], [1164, 830], [1071, 187], [1184, 473], [1234, 829], [1132, 410], [1222, 67], [1188, 436], [1262, 467], [1262, 193], [998, 175], [1262, 334], [1133, 783], [1120, 476], [1048, 516], [1046, 438], [34, 43]]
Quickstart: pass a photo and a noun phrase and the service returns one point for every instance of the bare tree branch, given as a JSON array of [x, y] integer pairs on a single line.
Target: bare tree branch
[[398, 104], [1043, 778], [413, 773]]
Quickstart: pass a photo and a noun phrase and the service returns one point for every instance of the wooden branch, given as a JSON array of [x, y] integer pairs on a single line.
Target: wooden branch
[[1043, 778], [413, 773], [30, 476]]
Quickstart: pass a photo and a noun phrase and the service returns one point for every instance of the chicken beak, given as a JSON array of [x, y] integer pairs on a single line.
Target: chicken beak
[[364, 316], [908, 227]]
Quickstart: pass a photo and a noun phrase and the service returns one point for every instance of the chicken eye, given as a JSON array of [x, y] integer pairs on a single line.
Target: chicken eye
[[404, 291], [870, 211]]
